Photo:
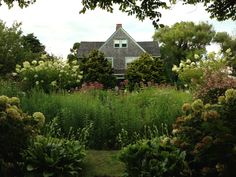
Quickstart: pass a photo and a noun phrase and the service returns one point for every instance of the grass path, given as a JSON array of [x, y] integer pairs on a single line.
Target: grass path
[[103, 164]]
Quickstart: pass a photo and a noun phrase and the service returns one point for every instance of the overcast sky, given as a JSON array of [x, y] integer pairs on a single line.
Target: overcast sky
[[58, 24]]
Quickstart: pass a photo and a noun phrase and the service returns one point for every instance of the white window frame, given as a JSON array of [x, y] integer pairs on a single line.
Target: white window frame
[[120, 42], [112, 61], [129, 60]]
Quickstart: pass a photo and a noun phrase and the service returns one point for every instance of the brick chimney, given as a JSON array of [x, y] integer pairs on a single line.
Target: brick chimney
[[118, 26]]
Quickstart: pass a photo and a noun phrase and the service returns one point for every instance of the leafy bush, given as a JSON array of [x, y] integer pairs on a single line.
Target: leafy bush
[[47, 156], [16, 129], [155, 157], [145, 69], [96, 68], [193, 73], [48, 75], [214, 85], [207, 134]]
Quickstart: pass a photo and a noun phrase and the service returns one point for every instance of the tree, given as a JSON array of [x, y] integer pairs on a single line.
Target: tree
[[73, 52], [145, 69], [21, 3], [33, 44], [220, 10], [181, 41], [96, 68], [16, 48], [227, 42]]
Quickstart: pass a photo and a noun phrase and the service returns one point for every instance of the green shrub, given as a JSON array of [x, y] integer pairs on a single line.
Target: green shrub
[[96, 68], [16, 129], [143, 70], [207, 134], [214, 85], [156, 157], [47, 156], [48, 75]]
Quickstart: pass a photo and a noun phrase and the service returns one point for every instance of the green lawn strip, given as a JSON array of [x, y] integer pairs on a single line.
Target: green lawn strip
[[103, 164]]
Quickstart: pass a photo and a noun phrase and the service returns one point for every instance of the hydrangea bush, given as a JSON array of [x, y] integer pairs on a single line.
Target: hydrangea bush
[[209, 78], [16, 129], [207, 134], [49, 75]]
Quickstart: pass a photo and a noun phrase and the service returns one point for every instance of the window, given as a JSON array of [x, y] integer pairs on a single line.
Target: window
[[120, 43], [116, 43], [129, 60], [123, 43], [110, 60]]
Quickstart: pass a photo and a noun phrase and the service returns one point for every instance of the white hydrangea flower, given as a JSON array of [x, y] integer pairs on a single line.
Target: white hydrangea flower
[[26, 64], [34, 62], [37, 83]]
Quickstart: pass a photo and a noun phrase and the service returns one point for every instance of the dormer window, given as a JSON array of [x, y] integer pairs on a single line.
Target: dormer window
[[120, 43]]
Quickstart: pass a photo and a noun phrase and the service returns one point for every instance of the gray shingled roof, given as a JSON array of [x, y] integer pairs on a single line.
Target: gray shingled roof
[[86, 47], [150, 47]]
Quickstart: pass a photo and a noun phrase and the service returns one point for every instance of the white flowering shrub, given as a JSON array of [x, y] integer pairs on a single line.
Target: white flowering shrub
[[48, 75], [209, 78], [193, 73]]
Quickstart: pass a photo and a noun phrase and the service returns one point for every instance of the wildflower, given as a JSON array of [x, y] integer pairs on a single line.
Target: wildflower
[[186, 107], [14, 74], [188, 61], [74, 62], [228, 51], [197, 105], [13, 113], [3, 100], [26, 64], [14, 101], [210, 115], [220, 167], [34, 62], [196, 56], [54, 83], [230, 95], [39, 117]]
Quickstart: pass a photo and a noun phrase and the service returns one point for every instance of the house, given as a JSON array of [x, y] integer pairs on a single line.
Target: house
[[120, 49]]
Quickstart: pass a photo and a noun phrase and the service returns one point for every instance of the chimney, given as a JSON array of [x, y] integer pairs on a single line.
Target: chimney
[[118, 26]]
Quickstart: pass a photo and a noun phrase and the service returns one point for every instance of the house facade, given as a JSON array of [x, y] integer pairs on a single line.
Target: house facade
[[120, 49]]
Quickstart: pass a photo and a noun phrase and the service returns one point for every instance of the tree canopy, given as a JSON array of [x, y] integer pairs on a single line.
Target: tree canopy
[[73, 52], [16, 48], [183, 40], [21, 3], [221, 10]]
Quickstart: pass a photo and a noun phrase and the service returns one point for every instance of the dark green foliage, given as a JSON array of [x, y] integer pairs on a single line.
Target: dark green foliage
[[15, 48], [47, 156], [16, 129], [142, 9], [154, 158], [21, 3], [96, 68], [182, 41], [221, 10], [145, 69], [207, 134], [31, 43], [227, 42], [73, 53]]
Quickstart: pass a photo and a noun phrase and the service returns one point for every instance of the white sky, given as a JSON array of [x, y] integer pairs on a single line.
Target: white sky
[[58, 24]]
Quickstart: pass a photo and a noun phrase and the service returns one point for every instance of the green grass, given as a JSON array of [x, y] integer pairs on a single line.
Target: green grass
[[108, 111], [103, 164]]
